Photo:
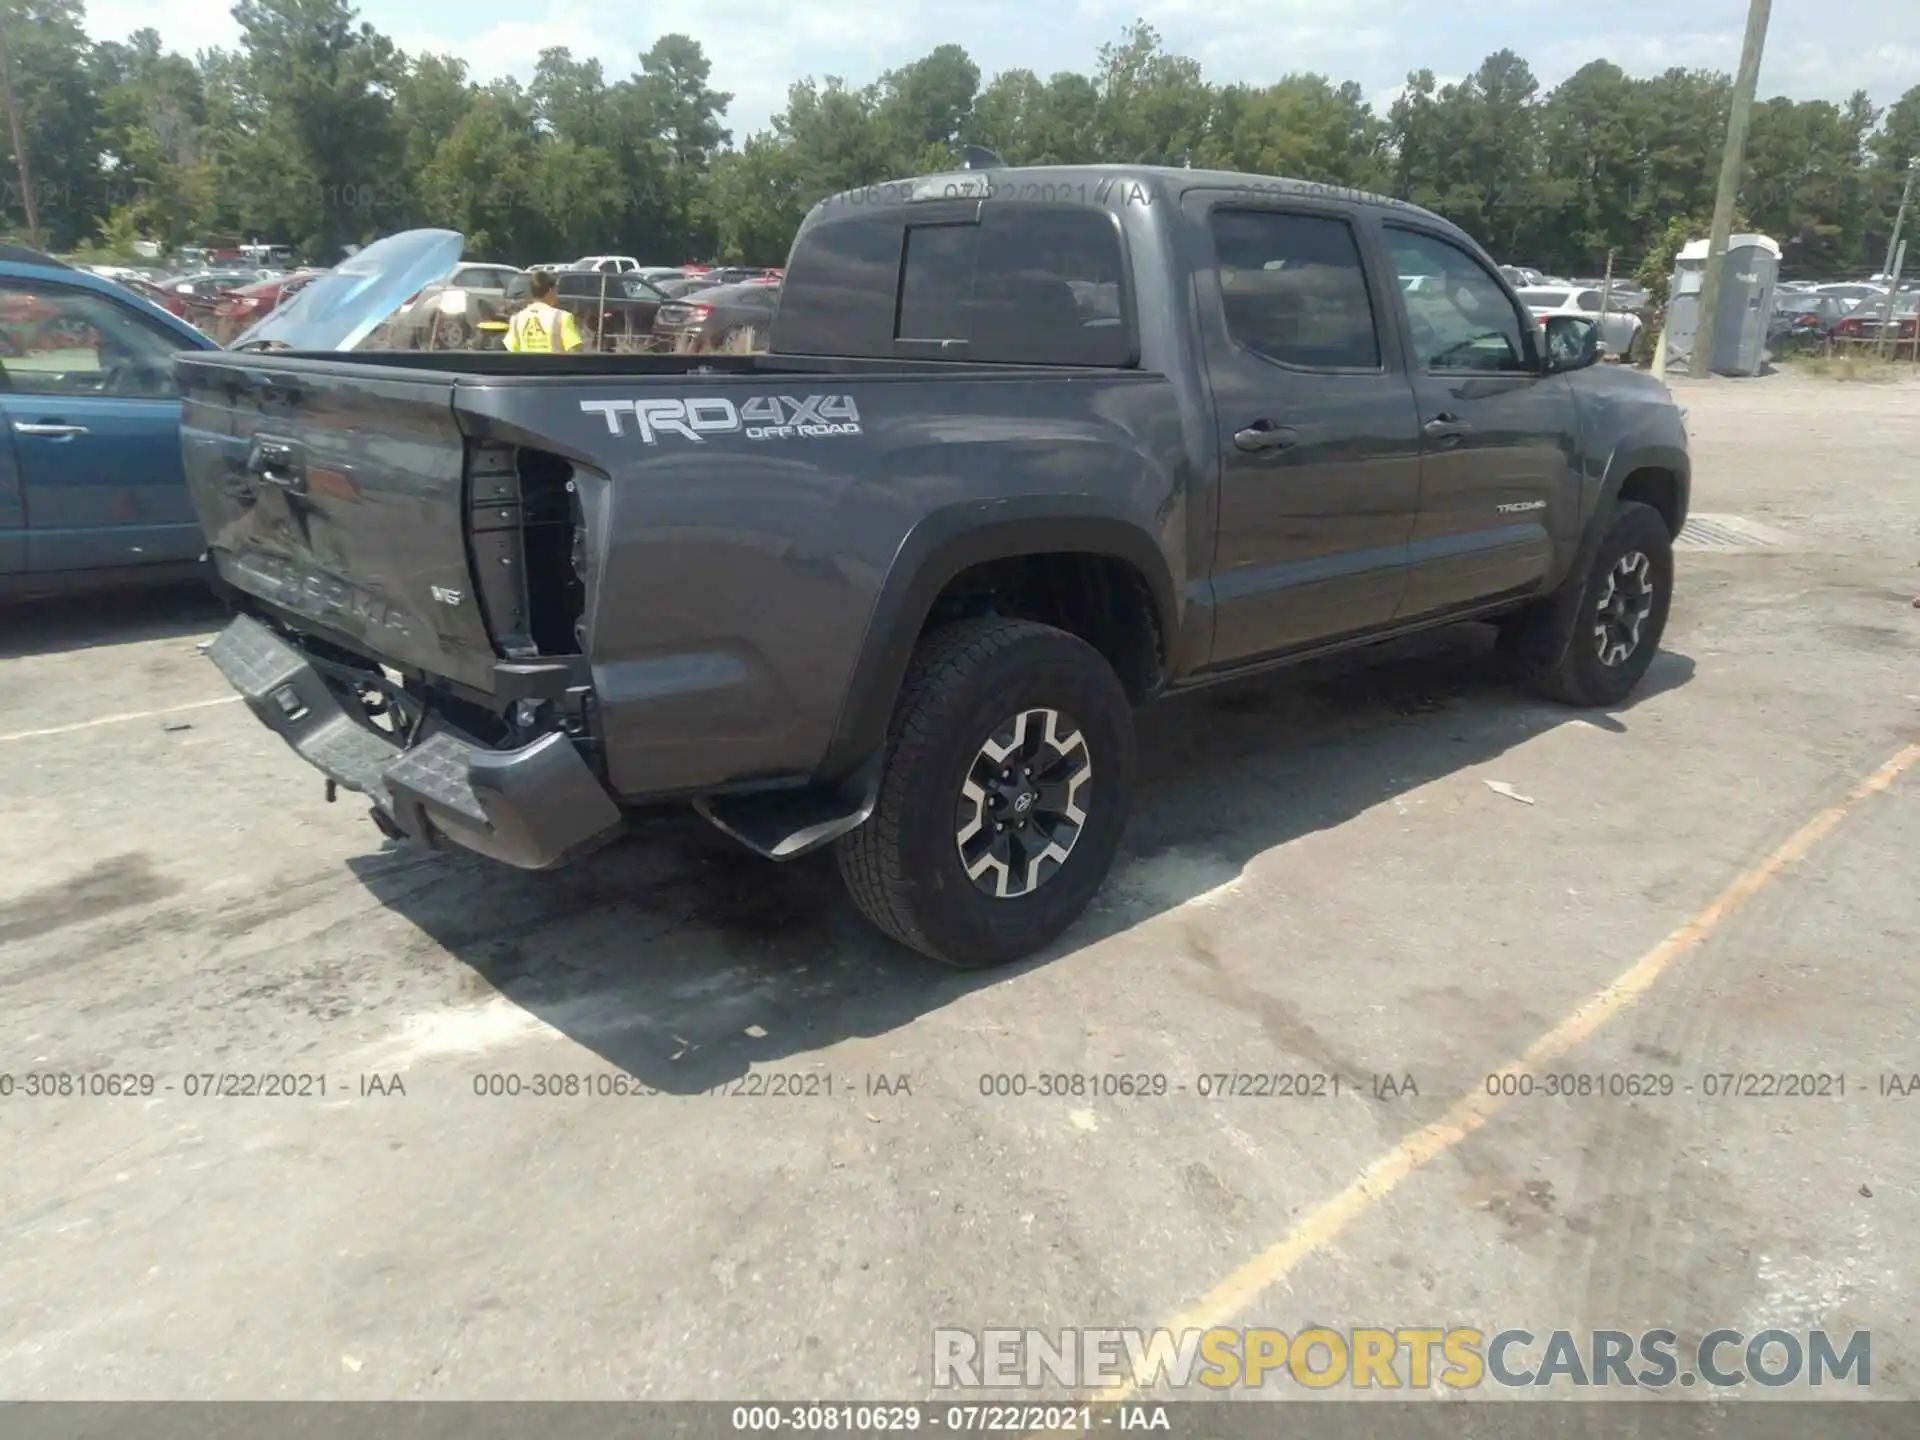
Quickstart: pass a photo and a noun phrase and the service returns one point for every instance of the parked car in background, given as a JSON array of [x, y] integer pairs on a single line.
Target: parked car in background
[[91, 488], [617, 264], [738, 274], [196, 293], [447, 314], [679, 286], [1864, 322], [614, 310], [237, 309], [482, 279], [205, 284], [717, 317], [1852, 290], [1620, 326], [1802, 315], [151, 293]]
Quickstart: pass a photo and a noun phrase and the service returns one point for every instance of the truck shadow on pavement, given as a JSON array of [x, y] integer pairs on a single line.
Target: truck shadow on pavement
[[684, 960]]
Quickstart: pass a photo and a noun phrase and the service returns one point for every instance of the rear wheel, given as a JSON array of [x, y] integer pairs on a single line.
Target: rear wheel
[[1008, 776]]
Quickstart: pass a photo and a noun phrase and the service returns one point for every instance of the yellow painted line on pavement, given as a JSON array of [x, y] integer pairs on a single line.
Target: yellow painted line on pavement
[[117, 719], [1233, 1295]]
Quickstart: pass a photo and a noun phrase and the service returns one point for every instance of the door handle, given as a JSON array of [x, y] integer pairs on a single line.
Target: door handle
[[1265, 437], [53, 429], [1446, 427]]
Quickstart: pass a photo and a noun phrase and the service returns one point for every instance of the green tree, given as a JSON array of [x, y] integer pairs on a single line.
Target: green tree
[[1893, 148], [1590, 128], [317, 159], [1655, 271], [430, 101], [1682, 126], [60, 120], [1302, 127], [1471, 152], [153, 137], [680, 108], [1802, 181], [1153, 107], [921, 110], [1006, 114], [570, 98], [484, 179], [1066, 127]]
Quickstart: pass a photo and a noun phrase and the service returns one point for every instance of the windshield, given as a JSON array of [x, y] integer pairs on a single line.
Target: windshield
[[1543, 299]]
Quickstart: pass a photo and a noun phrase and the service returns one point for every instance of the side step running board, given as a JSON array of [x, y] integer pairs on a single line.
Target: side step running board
[[785, 824]]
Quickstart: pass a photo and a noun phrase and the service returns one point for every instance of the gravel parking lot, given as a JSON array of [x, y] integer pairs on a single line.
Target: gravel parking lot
[[1320, 879]]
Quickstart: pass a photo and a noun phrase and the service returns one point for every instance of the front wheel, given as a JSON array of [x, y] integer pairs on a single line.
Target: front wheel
[[1591, 644], [1008, 776]]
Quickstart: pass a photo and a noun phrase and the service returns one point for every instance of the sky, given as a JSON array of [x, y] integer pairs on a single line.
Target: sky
[[1816, 49]]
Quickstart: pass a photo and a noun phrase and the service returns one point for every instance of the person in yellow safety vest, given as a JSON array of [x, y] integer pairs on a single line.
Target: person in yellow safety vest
[[536, 326]]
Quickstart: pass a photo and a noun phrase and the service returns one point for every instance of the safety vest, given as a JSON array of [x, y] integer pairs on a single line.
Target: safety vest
[[534, 329]]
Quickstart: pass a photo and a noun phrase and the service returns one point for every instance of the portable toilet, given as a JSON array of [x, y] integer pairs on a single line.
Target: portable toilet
[[1749, 269]]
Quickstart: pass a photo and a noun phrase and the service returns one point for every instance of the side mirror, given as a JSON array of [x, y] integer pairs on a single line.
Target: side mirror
[[1571, 342]]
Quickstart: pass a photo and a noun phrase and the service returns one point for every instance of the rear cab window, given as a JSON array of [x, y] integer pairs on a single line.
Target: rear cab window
[[1019, 284]]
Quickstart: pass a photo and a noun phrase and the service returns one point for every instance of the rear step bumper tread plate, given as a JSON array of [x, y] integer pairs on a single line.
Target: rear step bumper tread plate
[[533, 807]]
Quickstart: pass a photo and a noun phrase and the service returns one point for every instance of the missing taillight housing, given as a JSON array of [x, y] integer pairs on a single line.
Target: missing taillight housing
[[524, 520], [556, 586]]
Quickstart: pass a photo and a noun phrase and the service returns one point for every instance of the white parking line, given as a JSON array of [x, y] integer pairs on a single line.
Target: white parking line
[[117, 719]]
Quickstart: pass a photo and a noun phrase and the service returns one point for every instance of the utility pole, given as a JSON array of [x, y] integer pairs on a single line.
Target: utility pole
[[1900, 216], [1606, 297], [19, 138], [1896, 258], [1889, 330], [1731, 160]]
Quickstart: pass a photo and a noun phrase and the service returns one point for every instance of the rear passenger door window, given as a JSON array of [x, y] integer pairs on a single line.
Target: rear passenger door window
[[1293, 289]]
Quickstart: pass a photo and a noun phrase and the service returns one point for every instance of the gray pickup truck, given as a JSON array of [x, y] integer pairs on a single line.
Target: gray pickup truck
[[1030, 448]]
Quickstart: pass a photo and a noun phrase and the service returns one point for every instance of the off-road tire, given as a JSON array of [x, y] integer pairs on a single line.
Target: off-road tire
[[903, 867], [1551, 647]]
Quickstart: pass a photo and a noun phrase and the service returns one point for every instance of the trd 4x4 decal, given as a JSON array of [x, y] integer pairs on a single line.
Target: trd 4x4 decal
[[759, 417]]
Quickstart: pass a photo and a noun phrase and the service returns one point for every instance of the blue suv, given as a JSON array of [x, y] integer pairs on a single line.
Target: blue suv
[[91, 491]]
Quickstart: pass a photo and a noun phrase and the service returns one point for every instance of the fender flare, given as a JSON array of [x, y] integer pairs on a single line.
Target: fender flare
[[1630, 456], [953, 539], [1627, 457]]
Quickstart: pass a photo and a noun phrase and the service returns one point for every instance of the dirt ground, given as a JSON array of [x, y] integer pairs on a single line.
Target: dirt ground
[[1319, 880]]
